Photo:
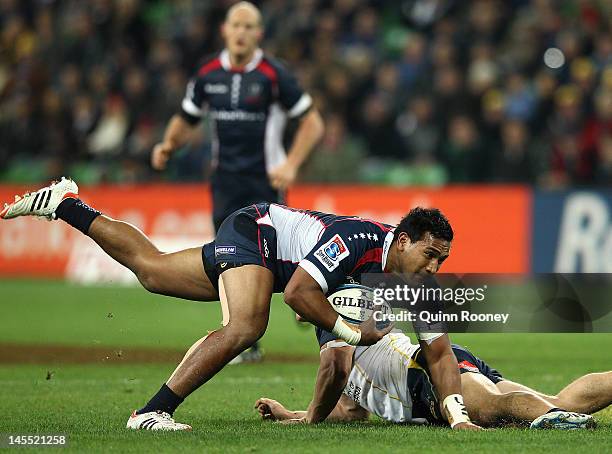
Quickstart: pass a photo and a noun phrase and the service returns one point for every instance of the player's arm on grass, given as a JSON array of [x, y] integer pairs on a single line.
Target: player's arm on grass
[[446, 379], [346, 410], [273, 410], [328, 402], [334, 369]]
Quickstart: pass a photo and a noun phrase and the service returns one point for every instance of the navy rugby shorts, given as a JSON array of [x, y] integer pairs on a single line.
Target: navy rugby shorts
[[241, 241]]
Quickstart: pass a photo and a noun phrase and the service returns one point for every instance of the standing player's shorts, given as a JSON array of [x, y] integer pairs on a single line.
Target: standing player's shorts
[[241, 241], [424, 400], [232, 191]]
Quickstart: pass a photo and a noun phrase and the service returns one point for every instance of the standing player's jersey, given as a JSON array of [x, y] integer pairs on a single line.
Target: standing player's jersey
[[378, 380], [248, 109]]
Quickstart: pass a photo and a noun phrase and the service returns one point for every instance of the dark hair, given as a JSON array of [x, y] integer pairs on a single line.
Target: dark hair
[[421, 220]]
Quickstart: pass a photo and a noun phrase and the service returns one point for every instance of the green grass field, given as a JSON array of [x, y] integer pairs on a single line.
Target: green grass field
[[91, 402]]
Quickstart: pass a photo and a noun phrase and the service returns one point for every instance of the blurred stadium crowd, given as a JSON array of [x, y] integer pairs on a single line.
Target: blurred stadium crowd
[[412, 91]]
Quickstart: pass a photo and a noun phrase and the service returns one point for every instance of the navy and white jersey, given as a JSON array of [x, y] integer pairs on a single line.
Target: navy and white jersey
[[248, 109], [328, 247]]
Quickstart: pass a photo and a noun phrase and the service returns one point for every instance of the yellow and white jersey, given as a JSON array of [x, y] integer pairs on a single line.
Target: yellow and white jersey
[[379, 378]]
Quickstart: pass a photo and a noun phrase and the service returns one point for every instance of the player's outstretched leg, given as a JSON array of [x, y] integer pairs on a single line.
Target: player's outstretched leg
[[587, 394], [248, 290], [488, 406], [179, 274]]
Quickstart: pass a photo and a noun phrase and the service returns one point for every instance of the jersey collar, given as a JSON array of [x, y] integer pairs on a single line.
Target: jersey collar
[[386, 247], [250, 66]]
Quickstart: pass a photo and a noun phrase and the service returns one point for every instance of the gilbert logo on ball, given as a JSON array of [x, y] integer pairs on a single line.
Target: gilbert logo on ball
[[355, 303]]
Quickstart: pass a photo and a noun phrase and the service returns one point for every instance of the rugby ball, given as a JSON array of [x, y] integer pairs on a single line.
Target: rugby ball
[[355, 303]]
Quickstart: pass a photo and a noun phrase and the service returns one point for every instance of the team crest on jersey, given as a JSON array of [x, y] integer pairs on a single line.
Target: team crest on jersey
[[254, 89], [332, 252]]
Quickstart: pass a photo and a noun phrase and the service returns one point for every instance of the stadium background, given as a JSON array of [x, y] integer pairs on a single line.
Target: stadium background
[[498, 112]]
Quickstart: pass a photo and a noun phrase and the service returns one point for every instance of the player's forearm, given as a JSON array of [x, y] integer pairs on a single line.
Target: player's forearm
[[177, 132], [442, 365], [290, 414], [330, 383], [338, 414], [447, 382], [312, 306], [309, 133], [333, 373], [445, 375]]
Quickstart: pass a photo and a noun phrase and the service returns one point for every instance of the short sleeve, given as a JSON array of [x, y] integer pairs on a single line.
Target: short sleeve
[[192, 107], [295, 101], [334, 257]]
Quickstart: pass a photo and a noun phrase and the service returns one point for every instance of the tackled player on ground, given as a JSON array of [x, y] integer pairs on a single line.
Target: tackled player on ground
[[391, 379]]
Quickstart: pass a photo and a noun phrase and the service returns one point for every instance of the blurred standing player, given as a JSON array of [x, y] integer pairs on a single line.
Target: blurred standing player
[[248, 97]]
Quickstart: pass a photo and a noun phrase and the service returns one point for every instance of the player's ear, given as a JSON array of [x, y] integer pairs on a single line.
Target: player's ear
[[403, 241]]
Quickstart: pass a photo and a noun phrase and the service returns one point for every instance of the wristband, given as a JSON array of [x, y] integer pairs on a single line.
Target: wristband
[[350, 335], [455, 410]]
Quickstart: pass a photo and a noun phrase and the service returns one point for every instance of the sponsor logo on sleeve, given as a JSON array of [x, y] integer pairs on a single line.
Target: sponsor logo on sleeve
[[332, 253], [223, 250]]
